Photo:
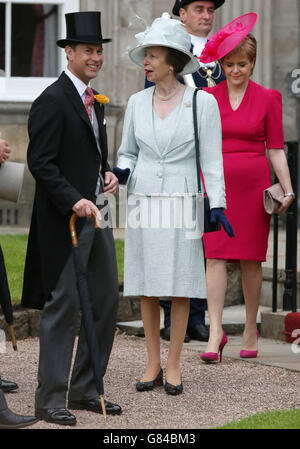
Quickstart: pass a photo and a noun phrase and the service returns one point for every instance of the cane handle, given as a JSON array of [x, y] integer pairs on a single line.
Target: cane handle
[[73, 228]]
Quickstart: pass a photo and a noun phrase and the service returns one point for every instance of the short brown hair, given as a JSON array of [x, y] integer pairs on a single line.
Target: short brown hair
[[247, 47], [177, 59], [73, 45]]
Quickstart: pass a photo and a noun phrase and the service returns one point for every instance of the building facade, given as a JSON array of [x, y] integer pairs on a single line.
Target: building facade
[[30, 60]]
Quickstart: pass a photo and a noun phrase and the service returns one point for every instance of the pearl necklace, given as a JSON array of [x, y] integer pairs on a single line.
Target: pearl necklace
[[162, 98], [236, 102]]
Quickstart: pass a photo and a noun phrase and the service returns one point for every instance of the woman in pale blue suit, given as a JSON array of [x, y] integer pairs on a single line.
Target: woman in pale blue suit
[[158, 148]]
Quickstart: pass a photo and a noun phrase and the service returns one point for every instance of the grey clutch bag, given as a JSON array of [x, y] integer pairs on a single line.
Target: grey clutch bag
[[11, 181], [273, 197]]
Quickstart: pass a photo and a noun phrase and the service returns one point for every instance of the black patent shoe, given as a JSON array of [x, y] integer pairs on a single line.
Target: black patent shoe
[[10, 420], [199, 332], [7, 386], [94, 405], [174, 390], [148, 386], [165, 333], [56, 415]]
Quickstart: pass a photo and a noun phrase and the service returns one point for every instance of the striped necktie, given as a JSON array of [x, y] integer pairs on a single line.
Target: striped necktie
[[89, 101]]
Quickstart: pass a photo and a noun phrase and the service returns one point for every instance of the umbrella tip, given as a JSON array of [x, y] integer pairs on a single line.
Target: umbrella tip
[[103, 406], [13, 337]]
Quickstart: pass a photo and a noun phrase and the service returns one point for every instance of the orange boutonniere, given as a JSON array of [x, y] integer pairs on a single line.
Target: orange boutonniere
[[102, 99]]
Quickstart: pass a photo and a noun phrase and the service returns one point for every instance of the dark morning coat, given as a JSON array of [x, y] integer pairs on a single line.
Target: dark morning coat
[[64, 161]]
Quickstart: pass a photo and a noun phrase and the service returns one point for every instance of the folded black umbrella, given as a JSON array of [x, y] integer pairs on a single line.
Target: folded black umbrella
[[5, 300], [87, 313]]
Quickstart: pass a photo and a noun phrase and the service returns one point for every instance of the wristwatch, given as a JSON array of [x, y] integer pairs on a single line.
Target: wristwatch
[[290, 194]]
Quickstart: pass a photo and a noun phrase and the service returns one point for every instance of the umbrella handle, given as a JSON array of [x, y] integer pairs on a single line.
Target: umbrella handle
[[73, 228]]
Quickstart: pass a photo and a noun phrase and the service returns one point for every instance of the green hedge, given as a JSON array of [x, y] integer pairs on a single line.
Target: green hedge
[[14, 250], [281, 419]]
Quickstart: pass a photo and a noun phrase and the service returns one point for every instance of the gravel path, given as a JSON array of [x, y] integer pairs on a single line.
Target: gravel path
[[213, 394]]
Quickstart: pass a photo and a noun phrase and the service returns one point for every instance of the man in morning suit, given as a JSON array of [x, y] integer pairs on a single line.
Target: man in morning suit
[[67, 156], [198, 18]]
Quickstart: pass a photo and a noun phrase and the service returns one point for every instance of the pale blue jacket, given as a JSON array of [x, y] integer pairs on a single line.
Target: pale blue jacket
[[173, 171]]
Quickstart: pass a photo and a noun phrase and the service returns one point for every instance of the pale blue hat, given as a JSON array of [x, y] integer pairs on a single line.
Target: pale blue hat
[[165, 32]]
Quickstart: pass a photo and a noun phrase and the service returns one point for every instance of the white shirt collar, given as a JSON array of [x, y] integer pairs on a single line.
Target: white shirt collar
[[80, 85], [198, 46]]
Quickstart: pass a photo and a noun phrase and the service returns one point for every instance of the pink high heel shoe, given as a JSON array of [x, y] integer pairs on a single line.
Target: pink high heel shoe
[[214, 356], [245, 354]]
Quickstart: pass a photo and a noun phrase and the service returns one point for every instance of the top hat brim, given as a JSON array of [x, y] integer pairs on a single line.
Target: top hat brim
[[177, 6], [137, 55], [11, 180], [62, 43]]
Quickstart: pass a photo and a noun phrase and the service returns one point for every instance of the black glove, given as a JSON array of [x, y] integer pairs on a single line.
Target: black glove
[[217, 215], [121, 174]]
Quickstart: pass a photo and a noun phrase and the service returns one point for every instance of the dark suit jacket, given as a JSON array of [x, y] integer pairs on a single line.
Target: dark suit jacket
[[64, 161]]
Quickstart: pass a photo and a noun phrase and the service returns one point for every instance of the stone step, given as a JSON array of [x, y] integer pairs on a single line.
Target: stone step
[[266, 293], [273, 323], [233, 321], [27, 321]]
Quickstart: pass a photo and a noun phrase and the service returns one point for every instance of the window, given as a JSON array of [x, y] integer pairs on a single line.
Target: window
[[30, 60]]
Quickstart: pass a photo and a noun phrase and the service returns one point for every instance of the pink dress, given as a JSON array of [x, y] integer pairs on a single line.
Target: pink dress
[[247, 132]]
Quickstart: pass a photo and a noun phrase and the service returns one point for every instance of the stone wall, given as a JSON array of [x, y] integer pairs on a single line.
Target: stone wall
[[278, 36], [285, 58]]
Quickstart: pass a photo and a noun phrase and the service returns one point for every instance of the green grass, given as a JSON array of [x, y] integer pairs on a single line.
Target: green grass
[[120, 258], [283, 419], [14, 251]]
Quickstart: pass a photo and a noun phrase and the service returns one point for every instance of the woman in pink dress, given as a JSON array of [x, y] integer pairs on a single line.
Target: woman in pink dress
[[251, 122]]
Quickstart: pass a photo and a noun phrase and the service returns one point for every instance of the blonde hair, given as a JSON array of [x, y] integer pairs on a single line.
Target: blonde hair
[[247, 47]]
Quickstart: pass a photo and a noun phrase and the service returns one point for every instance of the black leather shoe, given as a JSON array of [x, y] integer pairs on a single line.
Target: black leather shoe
[[10, 420], [7, 385], [148, 386], [166, 331], [174, 390], [56, 415], [199, 332], [94, 405]]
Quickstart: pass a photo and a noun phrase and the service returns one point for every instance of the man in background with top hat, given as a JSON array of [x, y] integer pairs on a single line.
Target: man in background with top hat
[[198, 18], [67, 156]]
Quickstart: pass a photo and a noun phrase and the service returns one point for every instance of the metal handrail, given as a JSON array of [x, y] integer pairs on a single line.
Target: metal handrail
[[275, 263], [290, 285]]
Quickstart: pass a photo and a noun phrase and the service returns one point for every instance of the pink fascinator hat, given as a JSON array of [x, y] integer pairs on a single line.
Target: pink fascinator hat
[[228, 37]]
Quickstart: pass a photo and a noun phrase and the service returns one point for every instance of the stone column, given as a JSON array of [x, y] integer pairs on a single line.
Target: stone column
[[285, 58], [162, 6], [262, 31], [277, 33], [119, 78]]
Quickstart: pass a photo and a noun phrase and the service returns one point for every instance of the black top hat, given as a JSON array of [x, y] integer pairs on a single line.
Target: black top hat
[[181, 3], [83, 28]]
